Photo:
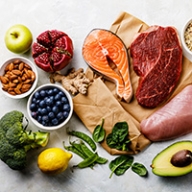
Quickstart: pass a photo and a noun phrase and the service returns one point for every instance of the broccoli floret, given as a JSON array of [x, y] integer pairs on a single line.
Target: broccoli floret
[[15, 141]]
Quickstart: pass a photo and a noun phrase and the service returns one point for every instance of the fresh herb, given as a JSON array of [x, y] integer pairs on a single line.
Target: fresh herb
[[118, 138], [120, 164], [99, 133], [140, 169]]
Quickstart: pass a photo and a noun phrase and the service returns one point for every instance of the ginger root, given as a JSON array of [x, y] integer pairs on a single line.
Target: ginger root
[[75, 81]]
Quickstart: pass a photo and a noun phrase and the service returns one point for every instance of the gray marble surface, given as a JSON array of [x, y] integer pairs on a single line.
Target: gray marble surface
[[77, 18]]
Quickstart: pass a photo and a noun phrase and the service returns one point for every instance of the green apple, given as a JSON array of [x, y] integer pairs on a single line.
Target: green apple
[[18, 39]]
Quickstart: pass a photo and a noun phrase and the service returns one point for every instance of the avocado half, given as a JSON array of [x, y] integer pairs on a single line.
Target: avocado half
[[161, 164]]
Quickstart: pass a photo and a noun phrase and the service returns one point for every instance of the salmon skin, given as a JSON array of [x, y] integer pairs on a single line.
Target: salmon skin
[[106, 54]]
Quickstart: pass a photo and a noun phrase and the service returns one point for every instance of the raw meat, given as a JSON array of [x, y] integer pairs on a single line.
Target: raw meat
[[171, 121], [157, 59], [105, 52]]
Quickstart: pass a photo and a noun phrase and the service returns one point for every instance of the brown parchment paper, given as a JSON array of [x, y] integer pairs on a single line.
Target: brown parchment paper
[[102, 102]]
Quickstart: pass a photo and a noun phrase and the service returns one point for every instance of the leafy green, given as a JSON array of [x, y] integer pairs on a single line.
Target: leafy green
[[118, 138], [120, 165], [140, 169], [99, 133]]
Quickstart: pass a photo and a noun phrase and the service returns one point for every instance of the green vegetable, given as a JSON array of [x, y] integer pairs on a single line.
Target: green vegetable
[[118, 138], [120, 164], [88, 152], [87, 162], [140, 169], [99, 133], [84, 137], [15, 141], [77, 150]]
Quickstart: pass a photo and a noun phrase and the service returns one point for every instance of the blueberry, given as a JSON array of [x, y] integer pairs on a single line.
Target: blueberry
[[64, 99], [50, 92], [34, 100], [45, 118], [55, 91], [58, 104], [61, 93], [51, 115], [39, 118], [42, 93], [42, 103], [55, 109], [44, 123], [49, 101], [38, 101], [39, 111], [34, 115], [66, 107], [48, 108], [65, 114], [57, 97], [44, 111], [55, 121], [37, 95], [33, 106], [60, 116]]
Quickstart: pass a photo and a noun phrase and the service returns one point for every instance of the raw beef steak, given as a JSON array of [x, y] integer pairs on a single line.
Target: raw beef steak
[[157, 59]]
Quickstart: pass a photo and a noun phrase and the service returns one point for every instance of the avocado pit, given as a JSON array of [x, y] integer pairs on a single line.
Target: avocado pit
[[182, 158]]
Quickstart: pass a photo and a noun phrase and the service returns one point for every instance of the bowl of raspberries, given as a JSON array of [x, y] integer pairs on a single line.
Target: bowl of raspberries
[[50, 107]]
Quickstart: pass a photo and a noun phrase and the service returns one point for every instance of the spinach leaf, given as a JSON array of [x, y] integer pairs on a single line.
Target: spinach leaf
[[120, 131], [140, 169], [99, 133], [120, 164], [118, 138]]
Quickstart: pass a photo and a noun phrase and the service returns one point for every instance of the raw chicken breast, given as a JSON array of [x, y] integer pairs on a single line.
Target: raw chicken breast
[[171, 121]]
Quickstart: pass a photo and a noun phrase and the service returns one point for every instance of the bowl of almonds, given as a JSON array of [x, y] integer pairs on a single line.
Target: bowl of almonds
[[18, 77]]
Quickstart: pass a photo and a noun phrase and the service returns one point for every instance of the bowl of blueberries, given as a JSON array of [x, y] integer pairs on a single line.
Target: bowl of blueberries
[[50, 107]]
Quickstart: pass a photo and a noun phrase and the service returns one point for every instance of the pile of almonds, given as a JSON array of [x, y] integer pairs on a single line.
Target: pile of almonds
[[18, 78]]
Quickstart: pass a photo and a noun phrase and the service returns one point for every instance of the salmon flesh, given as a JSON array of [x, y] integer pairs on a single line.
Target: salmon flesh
[[106, 54]]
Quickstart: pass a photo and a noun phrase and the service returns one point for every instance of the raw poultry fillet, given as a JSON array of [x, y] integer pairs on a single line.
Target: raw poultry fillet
[[106, 54], [171, 121], [157, 59]]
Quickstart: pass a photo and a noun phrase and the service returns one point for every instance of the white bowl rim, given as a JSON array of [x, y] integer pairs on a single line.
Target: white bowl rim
[[50, 128], [32, 65], [182, 36]]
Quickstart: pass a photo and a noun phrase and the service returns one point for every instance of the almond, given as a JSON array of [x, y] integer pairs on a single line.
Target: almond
[[4, 79], [21, 66], [16, 72], [27, 66]]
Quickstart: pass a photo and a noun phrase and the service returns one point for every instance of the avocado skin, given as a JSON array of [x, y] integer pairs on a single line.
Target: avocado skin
[[161, 164]]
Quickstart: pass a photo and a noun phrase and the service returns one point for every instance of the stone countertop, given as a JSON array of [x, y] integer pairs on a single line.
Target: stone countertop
[[77, 18]]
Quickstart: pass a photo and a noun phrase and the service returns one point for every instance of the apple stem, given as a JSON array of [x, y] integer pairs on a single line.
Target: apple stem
[[14, 34]]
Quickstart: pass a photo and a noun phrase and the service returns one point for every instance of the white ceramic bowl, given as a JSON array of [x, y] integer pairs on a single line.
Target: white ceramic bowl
[[34, 69], [37, 113], [186, 51]]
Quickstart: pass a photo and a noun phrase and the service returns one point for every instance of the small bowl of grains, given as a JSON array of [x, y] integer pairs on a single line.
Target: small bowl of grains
[[18, 77], [186, 39]]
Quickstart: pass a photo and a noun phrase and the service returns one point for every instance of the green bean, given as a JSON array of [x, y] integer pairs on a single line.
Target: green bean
[[84, 137], [101, 160], [77, 146], [89, 153], [87, 162], [74, 150]]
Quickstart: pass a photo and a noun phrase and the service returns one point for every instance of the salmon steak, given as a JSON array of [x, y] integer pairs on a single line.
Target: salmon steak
[[107, 55]]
